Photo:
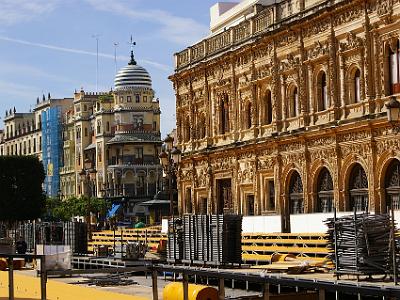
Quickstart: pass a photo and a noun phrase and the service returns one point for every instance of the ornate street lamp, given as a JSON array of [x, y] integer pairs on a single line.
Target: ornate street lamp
[[393, 113], [170, 158], [88, 177]]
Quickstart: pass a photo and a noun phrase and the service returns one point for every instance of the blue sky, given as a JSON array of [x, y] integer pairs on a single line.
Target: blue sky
[[48, 46]]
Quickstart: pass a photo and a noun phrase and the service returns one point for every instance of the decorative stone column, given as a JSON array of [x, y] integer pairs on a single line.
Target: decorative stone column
[[342, 86], [283, 101]]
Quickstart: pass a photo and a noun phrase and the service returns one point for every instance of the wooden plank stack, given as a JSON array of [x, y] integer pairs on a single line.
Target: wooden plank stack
[[258, 248], [151, 236], [362, 243]]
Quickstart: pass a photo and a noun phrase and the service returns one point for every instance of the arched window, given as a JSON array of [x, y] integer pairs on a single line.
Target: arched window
[[224, 114], [325, 191], [267, 108], [294, 103], [186, 128], [98, 127], [392, 184], [247, 120], [188, 200], [201, 127], [356, 86], [394, 68], [322, 92], [296, 202], [358, 187]]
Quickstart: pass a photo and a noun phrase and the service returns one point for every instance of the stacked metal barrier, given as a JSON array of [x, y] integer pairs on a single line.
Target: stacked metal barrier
[[175, 240], [361, 244], [73, 234], [208, 239], [3, 230]]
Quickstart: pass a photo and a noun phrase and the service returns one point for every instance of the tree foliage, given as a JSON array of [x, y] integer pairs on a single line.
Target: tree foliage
[[21, 194], [106, 98], [64, 210]]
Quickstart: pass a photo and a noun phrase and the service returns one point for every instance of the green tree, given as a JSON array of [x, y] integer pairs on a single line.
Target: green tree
[[21, 194], [74, 206]]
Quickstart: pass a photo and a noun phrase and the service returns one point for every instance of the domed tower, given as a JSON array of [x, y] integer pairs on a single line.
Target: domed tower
[[133, 169]]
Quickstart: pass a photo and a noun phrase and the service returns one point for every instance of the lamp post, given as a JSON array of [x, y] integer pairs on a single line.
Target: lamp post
[[170, 158], [393, 113], [88, 177]]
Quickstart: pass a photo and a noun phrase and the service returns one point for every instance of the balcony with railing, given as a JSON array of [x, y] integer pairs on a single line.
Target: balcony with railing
[[268, 19], [66, 170], [132, 160], [133, 128]]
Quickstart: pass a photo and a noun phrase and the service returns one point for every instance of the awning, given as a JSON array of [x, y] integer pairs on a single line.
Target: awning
[[113, 211], [90, 147], [155, 202]]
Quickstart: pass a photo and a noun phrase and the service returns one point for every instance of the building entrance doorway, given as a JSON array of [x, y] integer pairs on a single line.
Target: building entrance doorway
[[358, 189], [250, 205], [325, 192], [296, 203], [224, 203], [392, 183]]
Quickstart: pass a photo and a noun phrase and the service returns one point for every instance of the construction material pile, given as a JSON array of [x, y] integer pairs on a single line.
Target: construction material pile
[[207, 239], [362, 243], [119, 279]]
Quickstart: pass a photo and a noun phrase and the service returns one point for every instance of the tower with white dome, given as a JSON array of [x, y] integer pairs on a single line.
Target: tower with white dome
[[125, 140]]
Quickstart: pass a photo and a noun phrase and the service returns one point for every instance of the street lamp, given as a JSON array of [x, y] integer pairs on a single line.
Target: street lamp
[[393, 113], [170, 158], [88, 175], [393, 107]]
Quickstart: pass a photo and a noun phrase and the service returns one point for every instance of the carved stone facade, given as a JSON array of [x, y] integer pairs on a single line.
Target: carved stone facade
[[277, 122]]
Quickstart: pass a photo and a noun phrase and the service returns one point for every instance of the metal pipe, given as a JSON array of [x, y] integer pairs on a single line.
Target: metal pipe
[[221, 289], [185, 286], [43, 278], [393, 247], [10, 278], [336, 246], [154, 284], [266, 294]]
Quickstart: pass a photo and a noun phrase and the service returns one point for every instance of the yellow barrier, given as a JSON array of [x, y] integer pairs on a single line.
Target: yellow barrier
[[174, 291], [27, 287]]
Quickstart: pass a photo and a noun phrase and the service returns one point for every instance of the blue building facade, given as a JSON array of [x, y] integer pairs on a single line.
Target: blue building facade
[[52, 148]]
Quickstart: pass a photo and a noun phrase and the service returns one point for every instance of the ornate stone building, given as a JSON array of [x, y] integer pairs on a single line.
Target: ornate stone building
[[281, 110], [1, 142], [38, 133], [112, 141]]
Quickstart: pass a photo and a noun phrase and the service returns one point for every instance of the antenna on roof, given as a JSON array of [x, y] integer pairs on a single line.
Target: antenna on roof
[[96, 36], [115, 56]]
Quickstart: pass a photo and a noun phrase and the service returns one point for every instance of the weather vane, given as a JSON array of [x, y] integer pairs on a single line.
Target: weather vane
[[132, 43]]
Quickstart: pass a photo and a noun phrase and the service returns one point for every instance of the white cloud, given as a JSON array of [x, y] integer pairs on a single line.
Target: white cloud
[[159, 66], [10, 68], [18, 90], [16, 11], [180, 30]]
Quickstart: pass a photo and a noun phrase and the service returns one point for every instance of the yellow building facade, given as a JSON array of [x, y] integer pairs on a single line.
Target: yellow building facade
[[22, 134], [281, 110], [112, 141]]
